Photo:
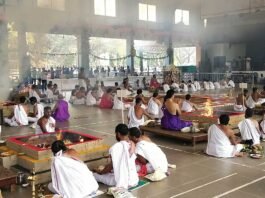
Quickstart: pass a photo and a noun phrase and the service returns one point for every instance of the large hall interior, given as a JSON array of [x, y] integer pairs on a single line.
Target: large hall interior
[[132, 98]]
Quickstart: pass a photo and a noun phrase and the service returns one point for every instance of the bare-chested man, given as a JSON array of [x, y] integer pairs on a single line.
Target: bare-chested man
[[240, 104], [46, 124], [136, 114], [255, 98]]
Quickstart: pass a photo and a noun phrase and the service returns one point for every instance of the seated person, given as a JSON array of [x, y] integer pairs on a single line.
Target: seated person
[[91, 97], [217, 85], [255, 98], [137, 84], [70, 176], [73, 93], [184, 87], [222, 141], [106, 101], [154, 105], [211, 85], [224, 84], [174, 86], [149, 156], [121, 171], [240, 104], [136, 114], [191, 86], [55, 91], [249, 129], [144, 84], [206, 85], [60, 110], [171, 110], [188, 106], [197, 84], [46, 124], [80, 96], [38, 111], [139, 93], [165, 87], [20, 114], [231, 83], [49, 94], [36, 93], [154, 84]]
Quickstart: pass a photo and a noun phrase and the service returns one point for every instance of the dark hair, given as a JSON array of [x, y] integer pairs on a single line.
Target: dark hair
[[138, 100], [254, 89], [188, 97], [116, 83], [135, 132], [263, 87], [33, 87], [47, 108], [248, 113], [55, 85], [49, 85], [245, 91], [224, 119], [122, 129], [109, 90], [139, 91], [22, 99], [169, 94], [33, 99], [155, 94], [57, 146]]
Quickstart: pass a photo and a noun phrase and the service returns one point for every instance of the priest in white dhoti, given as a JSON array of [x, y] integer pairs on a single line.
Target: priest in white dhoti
[[121, 171], [222, 141], [149, 156], [71, 177], [136, 114], [175, 86], [231, 83], [188, 106], [211, 85], [154, 106], [166, 87], [46, 124], [249, 129], [206, 85], [20, 117], [197, 85], [217, 85], [90, 99]]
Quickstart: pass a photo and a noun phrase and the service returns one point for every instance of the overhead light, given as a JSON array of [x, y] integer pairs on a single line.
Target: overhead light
[[205, 23]]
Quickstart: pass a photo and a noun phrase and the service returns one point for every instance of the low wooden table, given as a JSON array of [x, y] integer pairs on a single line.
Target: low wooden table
[[189, 137], [7, 178]]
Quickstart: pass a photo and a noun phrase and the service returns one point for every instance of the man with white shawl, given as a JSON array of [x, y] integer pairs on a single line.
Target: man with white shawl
[[217, 85], [175, 86], [240, 103], [71, 177], [197, 84], [154, 106], [166, 87], [148, 153], [231, 83], [211, 85], [90, 99], [222, 141], [136, 114], [187, 106], [249, 129], [255, 98], [20, 117], [46, 124], [206, 85], [121, 171]]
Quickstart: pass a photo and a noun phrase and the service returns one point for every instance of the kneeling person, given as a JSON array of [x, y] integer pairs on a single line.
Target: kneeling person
[[148, 153], [222, 141], [121, 171]]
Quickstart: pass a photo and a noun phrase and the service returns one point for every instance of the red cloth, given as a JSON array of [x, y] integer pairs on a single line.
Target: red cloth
[[105, 102], [154, 83], [143, 169]]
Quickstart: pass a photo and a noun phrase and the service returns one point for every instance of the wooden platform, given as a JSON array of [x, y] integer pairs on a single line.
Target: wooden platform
[[189, 137]]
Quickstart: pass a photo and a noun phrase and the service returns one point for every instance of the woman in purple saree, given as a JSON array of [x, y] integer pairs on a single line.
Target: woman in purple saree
[[60, 111], [171, 110]]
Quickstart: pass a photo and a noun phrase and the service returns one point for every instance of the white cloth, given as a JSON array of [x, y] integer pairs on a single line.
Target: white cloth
[[124, 168], [250, 102], [49, 94], [185, 88], [192, 87], [78, 101], [153, 154], [117, 104], [217, 85], [153, 107], [166, 88], [206, 85], [33, 93], [249, 131], [240, 108], [186, 106], [134, 121], [211, 85], [20, 117], [175, 86], [100, 92], [219, 144], [197, 85], [231, 84], [50, 126], [90, 99], [262, 125], [71, 178]]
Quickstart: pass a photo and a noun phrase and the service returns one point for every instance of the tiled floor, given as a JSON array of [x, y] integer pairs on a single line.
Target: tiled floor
[[196, 175]]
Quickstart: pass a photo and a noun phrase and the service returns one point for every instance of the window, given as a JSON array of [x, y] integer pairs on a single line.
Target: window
[[147, 12], [52, 4], [182, 16], [105, 7]]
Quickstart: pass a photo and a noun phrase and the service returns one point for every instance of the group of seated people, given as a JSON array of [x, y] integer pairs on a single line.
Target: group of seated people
[[132, 156], [42, 119], [222, 141], [244, 101]]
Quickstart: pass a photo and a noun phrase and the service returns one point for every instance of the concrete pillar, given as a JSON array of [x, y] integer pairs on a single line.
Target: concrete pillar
[[170, 52], [84, 49], [24, 58], [130, 50], [4, 70]]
